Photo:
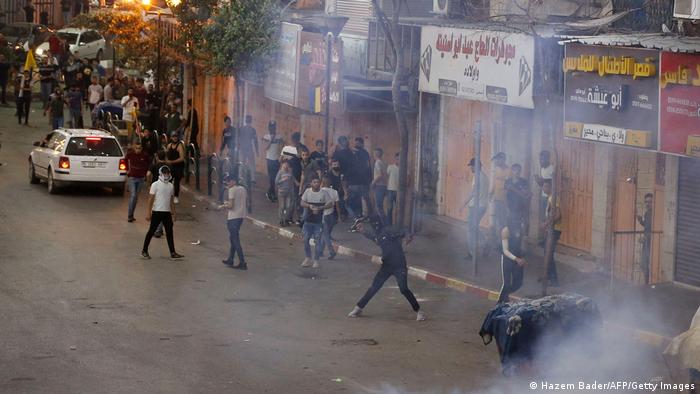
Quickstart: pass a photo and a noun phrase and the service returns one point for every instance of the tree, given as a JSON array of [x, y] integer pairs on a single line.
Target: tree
[[241, 36], [392, 31], [129, 33]]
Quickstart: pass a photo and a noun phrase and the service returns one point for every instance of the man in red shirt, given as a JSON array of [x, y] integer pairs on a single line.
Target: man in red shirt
[[137, 163]]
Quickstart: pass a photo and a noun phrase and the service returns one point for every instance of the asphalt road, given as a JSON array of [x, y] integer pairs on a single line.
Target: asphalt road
[[81, 312]]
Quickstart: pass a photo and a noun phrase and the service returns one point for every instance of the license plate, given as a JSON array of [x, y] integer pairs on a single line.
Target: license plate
[[94, 164]]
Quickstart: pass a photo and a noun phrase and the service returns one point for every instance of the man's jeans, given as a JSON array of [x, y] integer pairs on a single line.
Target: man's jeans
[[329, 221], [234, 228], [391, 202], [135, 185], [312, 230], [273, 167], [57, 122], [379, 195], [46, 89], [356, 194]]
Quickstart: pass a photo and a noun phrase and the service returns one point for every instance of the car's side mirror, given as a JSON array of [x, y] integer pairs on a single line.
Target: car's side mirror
[[37, 143]]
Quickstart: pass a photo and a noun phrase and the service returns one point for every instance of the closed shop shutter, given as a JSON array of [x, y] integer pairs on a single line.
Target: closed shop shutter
[[688, 223], [358, 12]]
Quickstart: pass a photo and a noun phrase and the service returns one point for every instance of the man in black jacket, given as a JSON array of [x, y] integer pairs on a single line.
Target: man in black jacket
[[393, 263]]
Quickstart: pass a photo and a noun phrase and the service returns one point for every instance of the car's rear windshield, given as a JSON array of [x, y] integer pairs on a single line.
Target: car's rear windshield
[[68, 37], [93, 146]]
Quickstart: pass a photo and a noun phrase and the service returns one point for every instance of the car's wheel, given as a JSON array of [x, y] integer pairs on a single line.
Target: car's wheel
[[51, 184], [118, 191], [33, 179], [99, 56]]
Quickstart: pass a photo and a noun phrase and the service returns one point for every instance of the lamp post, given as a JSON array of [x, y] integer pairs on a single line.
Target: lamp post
[[158, 56], [332, 27]]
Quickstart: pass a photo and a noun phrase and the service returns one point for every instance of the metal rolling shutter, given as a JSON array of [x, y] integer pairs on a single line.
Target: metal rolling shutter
[[359, 12], [688, 223]]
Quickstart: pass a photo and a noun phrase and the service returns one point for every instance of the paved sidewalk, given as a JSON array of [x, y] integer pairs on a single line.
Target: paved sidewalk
[[651, 314]]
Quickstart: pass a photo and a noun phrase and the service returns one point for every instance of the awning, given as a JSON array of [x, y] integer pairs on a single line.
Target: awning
[[661, 41]]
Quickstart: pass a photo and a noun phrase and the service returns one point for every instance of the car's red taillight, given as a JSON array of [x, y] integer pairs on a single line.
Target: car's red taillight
[[122, 165], [64, 163]]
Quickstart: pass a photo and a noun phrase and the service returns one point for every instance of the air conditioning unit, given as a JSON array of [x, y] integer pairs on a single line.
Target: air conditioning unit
[[686, 9], [445, 7]]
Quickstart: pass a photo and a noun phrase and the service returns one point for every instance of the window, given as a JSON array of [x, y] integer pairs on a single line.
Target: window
[[93, 146], [70, 38]]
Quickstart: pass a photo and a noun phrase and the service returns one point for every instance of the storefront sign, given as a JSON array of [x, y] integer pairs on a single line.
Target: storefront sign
[[281, 81], [611, 95], [679, 83], [311, 91], [477, 65]]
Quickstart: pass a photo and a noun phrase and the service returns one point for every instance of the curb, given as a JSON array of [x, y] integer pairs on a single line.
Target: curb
[[462, 286]]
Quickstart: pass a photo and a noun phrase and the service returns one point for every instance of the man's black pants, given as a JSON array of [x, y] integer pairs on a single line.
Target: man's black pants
[[401, 275], [273, 167], [512, 278], [234, 228], [158, 217]]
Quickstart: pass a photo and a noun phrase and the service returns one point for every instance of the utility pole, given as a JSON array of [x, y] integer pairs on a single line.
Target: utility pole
[[327, 120], [477, 193]]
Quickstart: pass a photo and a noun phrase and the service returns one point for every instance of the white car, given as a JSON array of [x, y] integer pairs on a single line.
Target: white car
[[83, 43], [78, 156]]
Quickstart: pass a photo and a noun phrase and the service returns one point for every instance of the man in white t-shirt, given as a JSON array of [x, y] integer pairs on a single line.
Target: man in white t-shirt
[[392, 188], [330, 216], [130, 105], [315, 201], [273, 148], [161, 209], [237, 209]]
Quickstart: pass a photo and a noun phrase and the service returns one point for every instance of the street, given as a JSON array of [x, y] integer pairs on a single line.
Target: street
[[82, 312]]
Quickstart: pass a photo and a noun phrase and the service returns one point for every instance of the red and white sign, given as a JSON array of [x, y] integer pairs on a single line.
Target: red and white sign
[[679, 82]]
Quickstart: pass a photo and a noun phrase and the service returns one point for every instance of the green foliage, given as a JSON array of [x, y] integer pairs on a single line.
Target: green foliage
[[242, 35], [126, 29], [192, 16]]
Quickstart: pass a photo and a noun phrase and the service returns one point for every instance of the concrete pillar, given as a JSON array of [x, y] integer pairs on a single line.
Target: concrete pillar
[[668, 243], [603, 193]]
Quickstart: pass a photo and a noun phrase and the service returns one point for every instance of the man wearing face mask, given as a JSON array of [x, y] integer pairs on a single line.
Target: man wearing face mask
[[161, 209]]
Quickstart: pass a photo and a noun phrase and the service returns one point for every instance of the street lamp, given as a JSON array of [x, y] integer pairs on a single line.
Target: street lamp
[[331, 28]]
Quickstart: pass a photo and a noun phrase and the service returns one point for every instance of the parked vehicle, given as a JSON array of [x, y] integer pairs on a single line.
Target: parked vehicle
[[20, 36], [78, 156], [83, 43]]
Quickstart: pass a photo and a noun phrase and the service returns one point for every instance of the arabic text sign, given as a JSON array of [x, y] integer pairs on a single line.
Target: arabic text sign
[[601, 133], [477, 65], [679, 82], [281, 82], [615, 88]]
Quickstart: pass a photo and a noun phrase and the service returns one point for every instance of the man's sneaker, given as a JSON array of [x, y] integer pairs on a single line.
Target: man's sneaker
[[306, 263], [226, 262], [315, 264], [269, 197], [332, 256], [145, 255], [176, 200], [130, 220], [356, 312], [176, 256], [158, 234], [420, 316], [240, 266]]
